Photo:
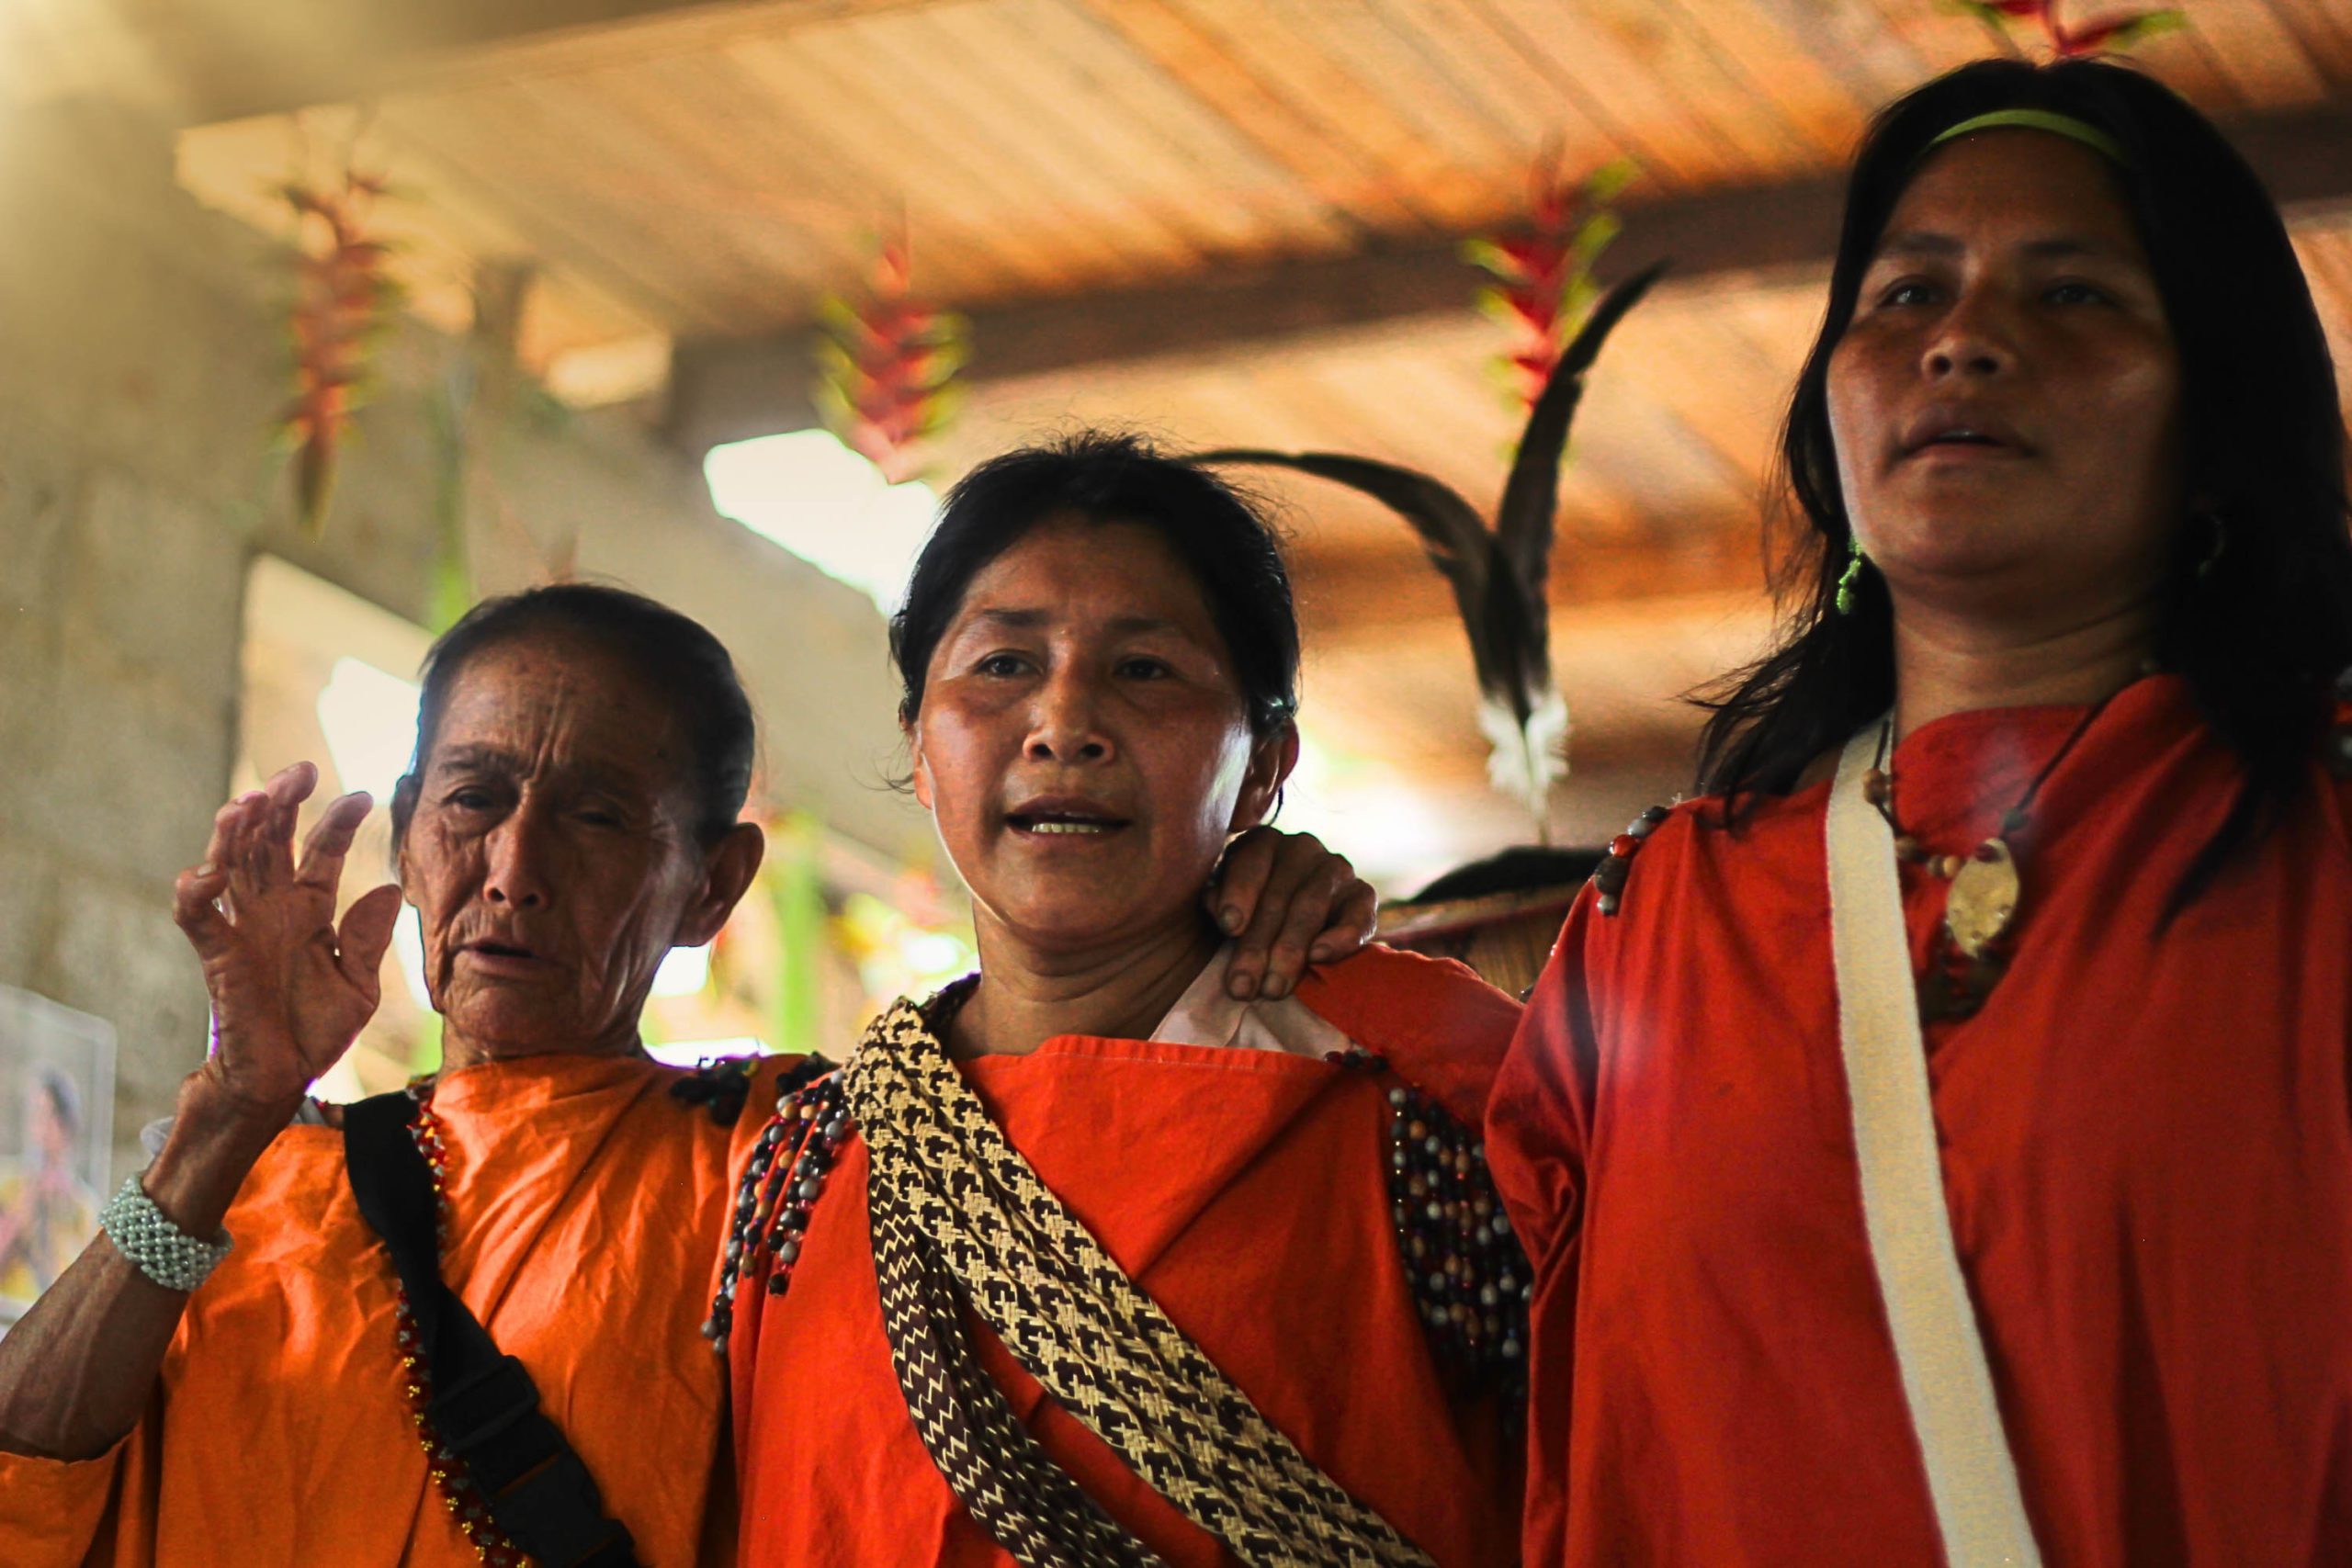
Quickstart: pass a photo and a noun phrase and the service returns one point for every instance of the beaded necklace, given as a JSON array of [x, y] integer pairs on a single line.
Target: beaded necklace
[[1982, 906], [779, 1190], [1469, 1277], [465, 1501]]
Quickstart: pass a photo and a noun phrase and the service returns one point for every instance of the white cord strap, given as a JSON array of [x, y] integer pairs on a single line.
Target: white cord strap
[[1945, 1381]]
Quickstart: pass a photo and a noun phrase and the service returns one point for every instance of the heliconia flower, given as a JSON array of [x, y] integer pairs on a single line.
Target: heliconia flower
[[2075, 43], [344, 301], [885, 366], [1543, 269]]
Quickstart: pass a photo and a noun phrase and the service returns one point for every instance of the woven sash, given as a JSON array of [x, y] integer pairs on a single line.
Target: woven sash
[[959, 1216], [1972, 1479]]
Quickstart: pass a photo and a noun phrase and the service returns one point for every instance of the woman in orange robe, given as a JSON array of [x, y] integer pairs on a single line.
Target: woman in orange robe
[[1085, 1260], [583, 754], [1934, 1145], [582, 757]]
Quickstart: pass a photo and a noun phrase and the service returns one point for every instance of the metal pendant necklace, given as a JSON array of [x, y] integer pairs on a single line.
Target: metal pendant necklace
[[1982, 908]]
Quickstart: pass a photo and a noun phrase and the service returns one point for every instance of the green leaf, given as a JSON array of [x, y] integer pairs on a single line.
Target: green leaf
[[1491, 257], [2155, 24], [1594, 237], [1606, 182]]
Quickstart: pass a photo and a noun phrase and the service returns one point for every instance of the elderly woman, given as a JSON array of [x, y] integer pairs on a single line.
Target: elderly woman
[[1933, 1144], [1083, 1259], [582, 756]]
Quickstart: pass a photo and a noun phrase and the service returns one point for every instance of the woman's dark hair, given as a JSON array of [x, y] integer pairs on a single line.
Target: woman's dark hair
[[1105, 477], [2257, 632], [675, 656]]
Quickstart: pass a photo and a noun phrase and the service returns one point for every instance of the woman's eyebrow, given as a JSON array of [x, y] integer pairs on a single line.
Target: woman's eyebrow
[[1012, 620], [1923, 243], [1919, 243], [2068, 246], [487, 759], [1025, 620]]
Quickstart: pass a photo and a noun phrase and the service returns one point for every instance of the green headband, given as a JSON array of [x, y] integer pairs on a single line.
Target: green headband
[[2065, 125]]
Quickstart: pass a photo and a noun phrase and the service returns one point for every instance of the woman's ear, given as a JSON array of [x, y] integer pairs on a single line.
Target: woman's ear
[[727, 870], [917, 768], [1270, 761], [404, 812]]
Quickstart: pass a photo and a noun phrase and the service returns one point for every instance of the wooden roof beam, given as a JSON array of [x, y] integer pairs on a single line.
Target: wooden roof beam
[[209, 60], [731, 389]]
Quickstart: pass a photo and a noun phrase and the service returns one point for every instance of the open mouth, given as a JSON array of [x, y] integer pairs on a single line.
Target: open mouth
[[1962, 448], [501, 950], [1065, 824], [1952, 429]]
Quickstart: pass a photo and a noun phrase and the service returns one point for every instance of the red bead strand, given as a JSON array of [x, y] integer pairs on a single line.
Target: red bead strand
[[465, 1502]]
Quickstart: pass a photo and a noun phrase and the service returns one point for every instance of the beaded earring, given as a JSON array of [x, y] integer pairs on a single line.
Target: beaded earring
[[1851, 577]]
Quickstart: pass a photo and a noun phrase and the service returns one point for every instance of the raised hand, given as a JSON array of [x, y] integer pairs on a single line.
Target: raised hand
[[1287, 902], [290, 989]]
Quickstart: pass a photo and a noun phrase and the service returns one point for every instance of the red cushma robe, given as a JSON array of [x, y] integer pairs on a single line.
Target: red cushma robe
[[1246, 1191], [2147, 1150], [585, 1203]]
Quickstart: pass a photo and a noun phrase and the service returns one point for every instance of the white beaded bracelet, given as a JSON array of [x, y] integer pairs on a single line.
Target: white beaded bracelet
[[145, 1235]]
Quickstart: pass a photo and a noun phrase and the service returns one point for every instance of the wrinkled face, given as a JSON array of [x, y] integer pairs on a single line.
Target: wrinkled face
[[551, 851], [1083, 744], [2006, 403]]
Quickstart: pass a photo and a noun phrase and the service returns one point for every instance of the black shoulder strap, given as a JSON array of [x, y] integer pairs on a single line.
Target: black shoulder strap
[[484, 1404]]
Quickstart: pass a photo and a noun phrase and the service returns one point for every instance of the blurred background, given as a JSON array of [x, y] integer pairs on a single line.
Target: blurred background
[[320, 320]]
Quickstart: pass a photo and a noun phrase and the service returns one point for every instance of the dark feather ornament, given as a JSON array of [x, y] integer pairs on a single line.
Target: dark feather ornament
[[1497, 576]]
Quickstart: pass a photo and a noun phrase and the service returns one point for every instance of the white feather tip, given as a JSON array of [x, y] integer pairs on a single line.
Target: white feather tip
[[1527, 761]]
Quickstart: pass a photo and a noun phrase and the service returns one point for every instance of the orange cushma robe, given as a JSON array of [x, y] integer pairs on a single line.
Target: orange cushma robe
[[2147, 1150], [585, 1205], [1245, 1190]]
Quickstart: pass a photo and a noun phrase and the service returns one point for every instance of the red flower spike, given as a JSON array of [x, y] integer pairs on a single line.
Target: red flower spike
[[885, 367], [1543, 269], [2075, 43], [342, 301]]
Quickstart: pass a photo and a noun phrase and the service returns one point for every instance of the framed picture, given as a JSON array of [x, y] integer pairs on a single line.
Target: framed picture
[[56, 1129]]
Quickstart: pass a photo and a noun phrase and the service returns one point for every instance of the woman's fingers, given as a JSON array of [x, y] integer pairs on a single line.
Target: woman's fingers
[[218, 848], [329, 840], [254, 837], [1309, 914], [286, 792], [1355, 920], [1265, 951], [195, 907], [1310, 906], [233, 848], [1241, 879]]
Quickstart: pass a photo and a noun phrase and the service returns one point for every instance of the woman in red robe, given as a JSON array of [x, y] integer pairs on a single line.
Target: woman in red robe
[[1934, 1143], [1086, 1261]]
